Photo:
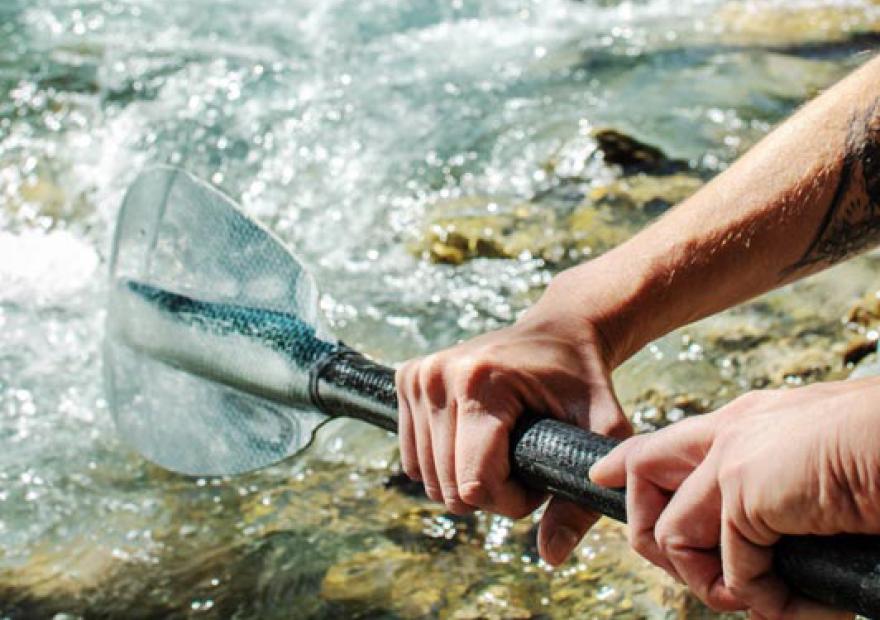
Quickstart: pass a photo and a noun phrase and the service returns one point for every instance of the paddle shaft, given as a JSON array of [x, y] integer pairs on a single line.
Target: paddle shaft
[[842, 571]]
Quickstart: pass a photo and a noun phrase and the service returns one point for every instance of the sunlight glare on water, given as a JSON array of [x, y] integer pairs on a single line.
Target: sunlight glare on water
[[342, 125]]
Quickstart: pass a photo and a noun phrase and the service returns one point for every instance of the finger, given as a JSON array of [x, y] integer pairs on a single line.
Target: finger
[[443, 429], [748, 572], [409, 460], [562, 527], [666, 457], [605, 415], [644, 505], [482, 466], [688, 534], [610, 470], [420, 413]]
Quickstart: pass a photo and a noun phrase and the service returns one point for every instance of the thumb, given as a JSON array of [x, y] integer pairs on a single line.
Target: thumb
[[562, 527]]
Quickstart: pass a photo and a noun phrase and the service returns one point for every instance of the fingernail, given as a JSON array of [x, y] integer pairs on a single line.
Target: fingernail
[[561, 542], [593, 469]]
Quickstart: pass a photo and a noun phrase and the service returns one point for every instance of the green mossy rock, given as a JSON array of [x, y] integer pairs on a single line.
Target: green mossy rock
[[653, 194], [484, 227]]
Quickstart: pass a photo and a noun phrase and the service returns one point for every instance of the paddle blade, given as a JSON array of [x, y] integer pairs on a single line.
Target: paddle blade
[[195, 399]]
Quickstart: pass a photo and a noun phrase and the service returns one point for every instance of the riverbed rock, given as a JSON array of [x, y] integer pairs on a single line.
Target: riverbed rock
[[39, 198], [864, 315], [592, 155], [592, 230], [377, 576], [650, 193], [633, 155], [70, 573], [477, 227], [485, 227], [787, 25], [862, 322], [496, 602]]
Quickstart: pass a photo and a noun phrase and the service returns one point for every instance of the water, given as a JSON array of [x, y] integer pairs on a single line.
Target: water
[[341, 125]]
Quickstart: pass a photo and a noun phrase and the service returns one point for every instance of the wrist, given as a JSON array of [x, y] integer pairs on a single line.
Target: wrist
[[605, 301], [591, 303]]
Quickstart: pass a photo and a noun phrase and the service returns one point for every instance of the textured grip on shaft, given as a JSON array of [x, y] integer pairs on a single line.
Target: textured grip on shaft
[[842, 571], [550, 455], [348, 384]]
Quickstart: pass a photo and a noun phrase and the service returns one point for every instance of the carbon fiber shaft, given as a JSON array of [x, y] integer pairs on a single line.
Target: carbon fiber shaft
[[841, 571]]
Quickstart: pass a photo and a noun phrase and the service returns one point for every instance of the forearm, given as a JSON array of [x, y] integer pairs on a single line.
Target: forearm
[[806, 197]]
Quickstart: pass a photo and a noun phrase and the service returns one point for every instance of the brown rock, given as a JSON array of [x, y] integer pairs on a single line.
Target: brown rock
[[634, 156], [865, 312], [858, 349]]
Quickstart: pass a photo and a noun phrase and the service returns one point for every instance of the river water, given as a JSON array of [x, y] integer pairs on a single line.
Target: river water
[[341, 125]]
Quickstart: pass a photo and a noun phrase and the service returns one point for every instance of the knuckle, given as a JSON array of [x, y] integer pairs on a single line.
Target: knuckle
[[750, 400], [731, 473], [475, 492], [735, 584], [615, 427], [642, 543], [637, 465], [450, 492], [407, 372], [433, 492], [454, 503], [433, 383], [473, 373], [668, 540], [410, 468]]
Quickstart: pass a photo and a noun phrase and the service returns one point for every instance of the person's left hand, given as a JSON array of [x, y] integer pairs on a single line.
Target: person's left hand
[[708, 497]]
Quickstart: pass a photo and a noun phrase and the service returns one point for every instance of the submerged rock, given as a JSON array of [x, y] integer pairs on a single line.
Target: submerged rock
[[383, 577], [496, 602], [864, 315], [653, 194], [863, 323], [634, 156], [579, 215], [592, 230], [484, 227], [38, 198], [600, 155], [463, 229]]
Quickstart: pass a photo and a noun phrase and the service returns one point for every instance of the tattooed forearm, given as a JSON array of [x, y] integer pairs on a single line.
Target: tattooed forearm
[[852, 222]]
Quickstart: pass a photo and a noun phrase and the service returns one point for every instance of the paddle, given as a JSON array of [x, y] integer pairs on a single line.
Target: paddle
[[218, 361]]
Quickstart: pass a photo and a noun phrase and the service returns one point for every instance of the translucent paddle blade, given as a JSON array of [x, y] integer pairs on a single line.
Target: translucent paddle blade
[[200, 391]]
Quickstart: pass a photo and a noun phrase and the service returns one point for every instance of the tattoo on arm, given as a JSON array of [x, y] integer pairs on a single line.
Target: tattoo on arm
[[852, 222]]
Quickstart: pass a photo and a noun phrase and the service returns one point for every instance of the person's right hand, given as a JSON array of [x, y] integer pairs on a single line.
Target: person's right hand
[[457, 408], [708, 497]]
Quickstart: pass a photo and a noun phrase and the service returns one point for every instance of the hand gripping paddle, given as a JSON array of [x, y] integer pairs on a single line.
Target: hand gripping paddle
[[218, 361]]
